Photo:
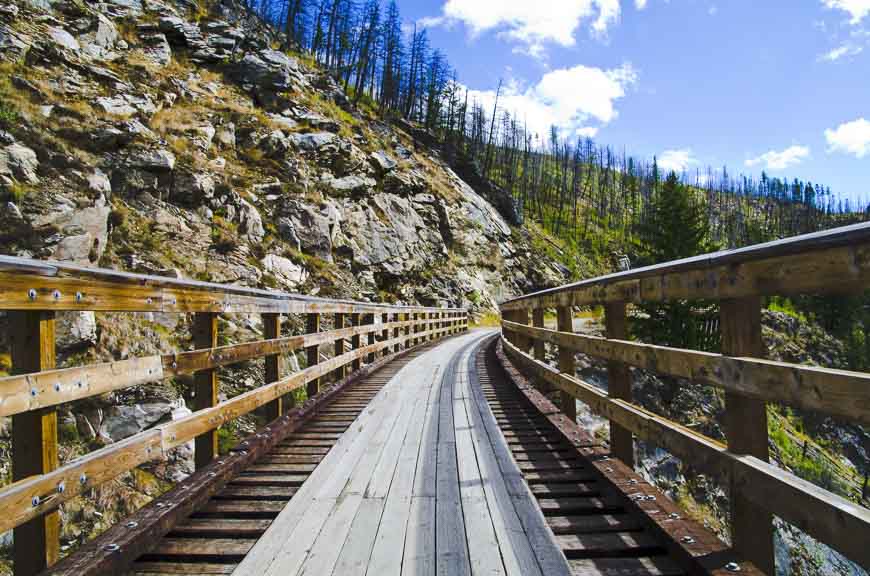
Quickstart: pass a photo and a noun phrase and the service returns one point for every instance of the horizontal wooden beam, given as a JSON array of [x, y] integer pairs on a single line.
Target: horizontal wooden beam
[[38, 495], [36, 285], [835, 521], [22, 393], [801, 273], [835, 392]]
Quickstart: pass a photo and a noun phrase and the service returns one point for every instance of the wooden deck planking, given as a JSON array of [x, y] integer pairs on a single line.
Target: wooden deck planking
[[413, 486]]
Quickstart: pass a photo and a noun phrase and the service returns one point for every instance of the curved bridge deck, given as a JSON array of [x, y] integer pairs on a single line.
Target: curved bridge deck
[[441, 462], [414, 486]]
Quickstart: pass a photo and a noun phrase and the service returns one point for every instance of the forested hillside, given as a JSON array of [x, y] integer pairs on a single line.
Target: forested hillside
[[593, 198]]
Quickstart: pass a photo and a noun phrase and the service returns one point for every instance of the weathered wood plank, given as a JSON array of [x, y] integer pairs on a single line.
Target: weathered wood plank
[[835, 392], [205, 387], [746, 431], [272, 364], [795, 265], [34, 440], [618, 383], [841, 524]]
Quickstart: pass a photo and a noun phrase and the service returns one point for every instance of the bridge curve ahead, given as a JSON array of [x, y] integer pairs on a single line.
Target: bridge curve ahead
[[413, 487]]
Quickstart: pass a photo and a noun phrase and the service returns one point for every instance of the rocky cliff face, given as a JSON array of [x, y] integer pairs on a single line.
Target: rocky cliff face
[[172, 137], [175, 138]]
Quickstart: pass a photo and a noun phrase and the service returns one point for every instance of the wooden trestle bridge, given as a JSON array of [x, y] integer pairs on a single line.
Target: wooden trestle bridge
[[424, 448]]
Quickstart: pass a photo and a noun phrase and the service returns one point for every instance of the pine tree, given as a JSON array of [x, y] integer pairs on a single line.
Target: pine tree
[[676, 227]]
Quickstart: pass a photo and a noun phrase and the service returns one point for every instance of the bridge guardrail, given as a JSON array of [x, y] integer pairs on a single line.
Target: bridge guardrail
[[831, 262], [32, 292]]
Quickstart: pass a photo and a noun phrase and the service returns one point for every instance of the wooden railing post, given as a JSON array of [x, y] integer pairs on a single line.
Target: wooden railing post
[[355, 341], [619, 383], [34, 439], [385, 334], [746, 431], [524, 343], [372, 339], [538, 345], [205, 335], [565, 323], [272, 330], [341, 371], [312, 326], [396, 347]]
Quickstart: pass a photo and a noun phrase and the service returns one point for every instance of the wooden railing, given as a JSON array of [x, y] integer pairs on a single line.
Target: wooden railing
[[33, 292], [833, 262]]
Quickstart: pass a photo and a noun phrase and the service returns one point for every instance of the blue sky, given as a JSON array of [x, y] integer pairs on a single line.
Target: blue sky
[[775, 85]]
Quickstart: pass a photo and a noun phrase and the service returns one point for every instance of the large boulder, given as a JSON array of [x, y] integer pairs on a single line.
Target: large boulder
[[250, 222], [287, 272], [122, 422], [126, 105], [156, 48], [192, 189], [354, 185], [313, 142], [82, 231], [18, 163], [76, 330], [268, 74], [314, 229], [99, 41], [181, 33]]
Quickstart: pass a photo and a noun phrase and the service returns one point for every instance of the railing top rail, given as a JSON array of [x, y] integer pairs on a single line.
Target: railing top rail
[[807, 243], [73, 274]]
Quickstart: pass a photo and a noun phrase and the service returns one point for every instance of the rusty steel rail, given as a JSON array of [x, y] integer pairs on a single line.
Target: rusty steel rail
[[832, 262], [33, 292]]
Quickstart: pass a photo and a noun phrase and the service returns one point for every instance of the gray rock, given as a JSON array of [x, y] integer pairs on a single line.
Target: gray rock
[[352, 185], [312, 142], [181, 33], [76, 330], [99, 182], [18, 163], [268, 74], [283, 122], [276, 144], [250, 222], [123, 8], [203, 136], [288, 233], [285, 271], [126, 105], [99, 42], [123, 421], [63, 39], [83, 231], [383, 162], [156, 48], [153, 160], [226, 136], [190, 189], [13, 44], [314, 229]]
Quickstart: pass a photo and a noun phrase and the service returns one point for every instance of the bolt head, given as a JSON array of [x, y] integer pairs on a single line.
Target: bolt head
[[34, 392], [132, 524], [111, 547], [83, 479], [687, 540], [56, 294], [61, 488], [34, 501], [732, 567], [57, 386]]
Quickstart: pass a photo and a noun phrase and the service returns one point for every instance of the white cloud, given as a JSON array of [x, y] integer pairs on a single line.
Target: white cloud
[[858, 9], [569, 98], [676, 160], [780, 160], [640, 4], [530, 23], [850, 138], [844, 51]]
